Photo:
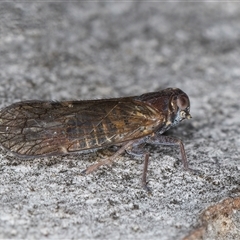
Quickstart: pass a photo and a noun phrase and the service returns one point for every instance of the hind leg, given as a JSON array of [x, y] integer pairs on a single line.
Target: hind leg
[[107, 161]]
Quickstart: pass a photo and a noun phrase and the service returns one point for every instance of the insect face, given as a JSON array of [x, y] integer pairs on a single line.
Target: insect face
[[179, 107]]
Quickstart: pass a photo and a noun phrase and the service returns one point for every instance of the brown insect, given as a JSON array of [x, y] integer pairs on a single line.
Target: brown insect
[[45, 128]]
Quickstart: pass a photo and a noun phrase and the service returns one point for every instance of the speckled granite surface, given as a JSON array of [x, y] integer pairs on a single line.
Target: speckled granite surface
[[99, 50]]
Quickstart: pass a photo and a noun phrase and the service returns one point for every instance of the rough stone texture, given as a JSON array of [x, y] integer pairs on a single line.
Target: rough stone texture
[[99, 50]]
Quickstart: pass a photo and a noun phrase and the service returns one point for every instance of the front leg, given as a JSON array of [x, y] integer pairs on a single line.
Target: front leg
[[159, 139]]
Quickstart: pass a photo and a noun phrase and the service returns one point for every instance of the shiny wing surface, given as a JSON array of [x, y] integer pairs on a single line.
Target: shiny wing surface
[[39, 128]]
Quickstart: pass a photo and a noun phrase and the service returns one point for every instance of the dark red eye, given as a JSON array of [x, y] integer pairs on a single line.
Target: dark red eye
[[183, 102]]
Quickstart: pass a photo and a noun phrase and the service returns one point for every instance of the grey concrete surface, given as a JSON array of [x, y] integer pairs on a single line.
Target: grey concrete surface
[[100, 50]]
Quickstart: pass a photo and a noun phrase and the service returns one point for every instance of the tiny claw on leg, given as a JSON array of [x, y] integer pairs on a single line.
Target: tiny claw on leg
[[193, 171], [83, 173]]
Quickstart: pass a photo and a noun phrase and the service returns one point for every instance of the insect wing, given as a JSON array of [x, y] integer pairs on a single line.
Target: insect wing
[[38, 128]]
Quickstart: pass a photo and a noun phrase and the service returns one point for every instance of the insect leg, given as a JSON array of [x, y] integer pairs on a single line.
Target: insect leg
[[137, 149], [157, 138], [107, 161], [145, 169]]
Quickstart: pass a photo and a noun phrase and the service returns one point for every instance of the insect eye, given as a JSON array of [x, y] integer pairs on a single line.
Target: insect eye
[[183, 102], [183, 114]]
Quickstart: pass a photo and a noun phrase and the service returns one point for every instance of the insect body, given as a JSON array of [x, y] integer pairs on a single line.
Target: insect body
[[44, 128]]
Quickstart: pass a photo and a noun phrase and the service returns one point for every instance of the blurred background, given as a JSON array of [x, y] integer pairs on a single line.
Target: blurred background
[[89, 50]]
